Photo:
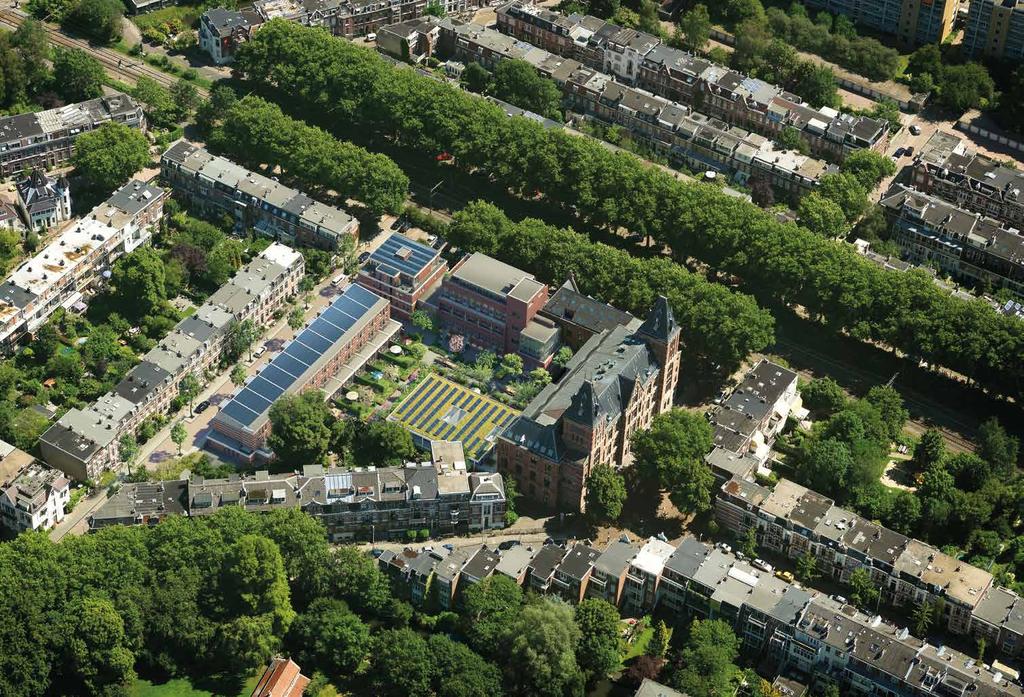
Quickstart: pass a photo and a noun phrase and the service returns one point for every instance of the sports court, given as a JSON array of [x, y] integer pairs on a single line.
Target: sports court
[[439, 409]]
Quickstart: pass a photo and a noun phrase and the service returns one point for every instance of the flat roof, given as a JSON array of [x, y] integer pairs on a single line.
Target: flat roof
[[496, 277]]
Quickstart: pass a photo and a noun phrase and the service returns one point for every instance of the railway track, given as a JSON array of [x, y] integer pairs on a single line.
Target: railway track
[[117, 65]]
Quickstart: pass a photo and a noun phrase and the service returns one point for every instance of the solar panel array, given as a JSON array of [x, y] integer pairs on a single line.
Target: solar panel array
[[424, 412], [403, 254], [311, 343]]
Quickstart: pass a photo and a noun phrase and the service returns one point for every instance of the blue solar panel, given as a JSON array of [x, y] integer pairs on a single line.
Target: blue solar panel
[[329, 331], [301, 352], [405, 255], [314, 341], [239, 413], [344, 316], [277, 376], [266, 389], [250, 398], [362, 296], [290, 364]]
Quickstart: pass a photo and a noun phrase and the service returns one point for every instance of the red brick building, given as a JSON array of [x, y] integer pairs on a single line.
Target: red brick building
[[494, 306], [615, 385], [402, 271]]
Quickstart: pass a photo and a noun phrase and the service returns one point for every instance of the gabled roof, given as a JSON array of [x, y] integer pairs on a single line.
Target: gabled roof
[[660, 323]]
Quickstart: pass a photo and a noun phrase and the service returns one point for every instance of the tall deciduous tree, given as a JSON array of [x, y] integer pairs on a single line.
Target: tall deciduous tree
[[606, 492], [109, 156], [77, 75], [671, 453], [707, 660], [328, 635], [598, 650], [541, 651], [300, 429], [695, 27]]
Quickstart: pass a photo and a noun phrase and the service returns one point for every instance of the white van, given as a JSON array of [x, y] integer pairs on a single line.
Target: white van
[[339, 279]]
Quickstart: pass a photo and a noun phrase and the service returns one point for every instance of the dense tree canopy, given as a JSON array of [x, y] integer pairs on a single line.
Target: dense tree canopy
[[109, 156], [300, 429], [316, 74], [671, 453]]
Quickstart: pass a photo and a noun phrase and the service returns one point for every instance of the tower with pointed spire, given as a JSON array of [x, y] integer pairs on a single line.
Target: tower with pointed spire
[[661, 334]]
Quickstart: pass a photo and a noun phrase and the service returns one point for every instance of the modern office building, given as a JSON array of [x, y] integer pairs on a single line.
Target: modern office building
[[403, 271], [32, 496], [494, 306], [361, 504], [995, 29], [973, 249], [45, 139], [612, 387], [946, 168], [83, 442], [325, 355], [69, 270], [638, 59], [218, 187], [913, 22]]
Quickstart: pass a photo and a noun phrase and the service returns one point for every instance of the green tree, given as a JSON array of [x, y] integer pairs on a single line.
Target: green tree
[[660, 640], [188, 390], [51, 10], [179, 434], [670, 455], [26, 427], [518, 82], [109, 156], [868, 167], [421, 320], [296, 318], [488, 608], [479, 228], [996, 447], [967, 86], [460, 672], [511, 365], [863, 591], [185, 97], [96, 653], [807, 568], [598, 650], [790, 138], [845, 190], [401, 664], [356, 579], [157, 102], [330, 636], [929, 451], [238, 375], [127, 450], [33, 47], [541, 651], [708, 668], [606, 492], [889, 403], [476, 78], [238, 339], [139, 284], [383, 443], [99, 19], [300, 432], [926, 60], [825, 464], [695, 27], [923, 618], [562, 357], [77, 75], [748, 543], [823, 396], [822, 216]]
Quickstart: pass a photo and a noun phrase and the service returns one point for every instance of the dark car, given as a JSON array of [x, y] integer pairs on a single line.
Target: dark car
[[915, 130], [363, 257], [508, 544], [202, 406]]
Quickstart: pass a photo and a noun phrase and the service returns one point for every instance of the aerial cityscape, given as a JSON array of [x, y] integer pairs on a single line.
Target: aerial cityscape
[[539, 348]]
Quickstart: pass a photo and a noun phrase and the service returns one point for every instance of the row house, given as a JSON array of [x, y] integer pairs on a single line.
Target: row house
[[747, 422], [786, 627], [692, 139], [612, 387], [46, 139], [572, 575], [541, 569], [793, 520], [32, 496], [217, 187], [354, 18], [84, 441], [973, 249], [324, 355], [640, 59], [946, 168], [677, 132], [364, 503], [71, 268]]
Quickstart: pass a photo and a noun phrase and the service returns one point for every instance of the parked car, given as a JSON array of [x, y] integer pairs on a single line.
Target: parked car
[[910, 150], [202, 406], [376, 552], [449, 547], [899, 153], [763, 565], [363, 257], [724, 547], [508, 544], [915, 130], [786, 576]]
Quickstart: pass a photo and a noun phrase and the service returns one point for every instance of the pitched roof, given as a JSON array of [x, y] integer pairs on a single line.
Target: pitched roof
[[660, 323], [282, 678]]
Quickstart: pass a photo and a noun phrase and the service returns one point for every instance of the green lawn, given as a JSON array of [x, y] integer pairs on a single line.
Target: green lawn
[[639, 645], [182, 687]]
